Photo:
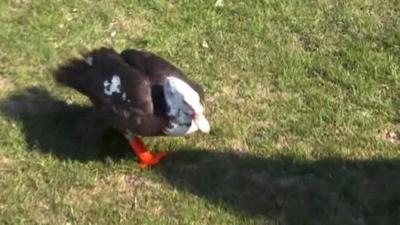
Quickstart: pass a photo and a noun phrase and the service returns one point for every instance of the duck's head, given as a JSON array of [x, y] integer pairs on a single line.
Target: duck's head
[[185, 105]]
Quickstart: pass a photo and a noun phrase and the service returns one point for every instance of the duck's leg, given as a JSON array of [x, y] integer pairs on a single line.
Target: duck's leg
[[146, 157]]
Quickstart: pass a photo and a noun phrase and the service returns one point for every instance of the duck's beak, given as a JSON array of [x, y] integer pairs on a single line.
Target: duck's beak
[[202, 123]]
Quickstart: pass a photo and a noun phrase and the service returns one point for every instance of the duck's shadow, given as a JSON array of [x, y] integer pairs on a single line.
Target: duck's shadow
[[330, 191], [68, 131]]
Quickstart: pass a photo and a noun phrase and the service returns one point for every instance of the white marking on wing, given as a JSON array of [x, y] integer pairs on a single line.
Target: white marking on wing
[[113, 87], [89, 61], [106, 83]]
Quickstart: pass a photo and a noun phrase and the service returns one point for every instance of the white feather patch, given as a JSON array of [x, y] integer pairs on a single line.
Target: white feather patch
[[180, 130], [113, 87], [89, 61]]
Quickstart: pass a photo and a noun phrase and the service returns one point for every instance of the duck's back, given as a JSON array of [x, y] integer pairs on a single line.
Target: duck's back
[[122, 93], [157, 68], [108, 81]]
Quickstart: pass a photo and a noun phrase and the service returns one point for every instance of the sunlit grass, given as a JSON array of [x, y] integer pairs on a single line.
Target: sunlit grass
[[306, 92]]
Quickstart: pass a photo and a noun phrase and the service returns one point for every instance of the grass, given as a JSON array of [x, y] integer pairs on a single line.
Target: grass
[[303, 96]]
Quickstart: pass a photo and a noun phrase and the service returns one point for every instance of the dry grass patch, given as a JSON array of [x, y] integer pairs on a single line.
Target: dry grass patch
[[111, 189], [6, 85], [390, 133], [4, 163], [129, 26]]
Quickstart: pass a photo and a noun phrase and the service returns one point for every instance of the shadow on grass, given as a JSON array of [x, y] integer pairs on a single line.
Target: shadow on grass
[[66, 131], [330, 191]]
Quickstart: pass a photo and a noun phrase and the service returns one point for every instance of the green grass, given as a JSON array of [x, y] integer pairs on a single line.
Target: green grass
[[303, 97]]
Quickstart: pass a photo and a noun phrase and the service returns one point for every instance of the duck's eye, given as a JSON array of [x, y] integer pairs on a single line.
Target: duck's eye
[[185, 103]]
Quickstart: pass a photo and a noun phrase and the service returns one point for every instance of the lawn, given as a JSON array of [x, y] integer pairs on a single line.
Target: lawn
[[303, 97]]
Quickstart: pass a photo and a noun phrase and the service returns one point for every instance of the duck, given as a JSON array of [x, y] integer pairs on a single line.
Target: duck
[[139, 94]]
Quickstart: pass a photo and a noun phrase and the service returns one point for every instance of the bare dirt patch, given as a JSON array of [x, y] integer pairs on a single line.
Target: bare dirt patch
[[391, 134], [4, 163], [112, 188], [130, 27], [6, 84]]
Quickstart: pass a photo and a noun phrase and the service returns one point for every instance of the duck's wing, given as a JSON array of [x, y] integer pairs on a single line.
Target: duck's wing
[[156, 67], [122, 92]]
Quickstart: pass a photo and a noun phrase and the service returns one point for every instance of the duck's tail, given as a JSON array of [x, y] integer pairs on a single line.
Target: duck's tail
[[75, 72], [72, 74]]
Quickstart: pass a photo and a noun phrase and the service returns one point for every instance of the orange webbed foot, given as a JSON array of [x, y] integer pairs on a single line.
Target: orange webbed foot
[[151, 159], [146, 157]]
